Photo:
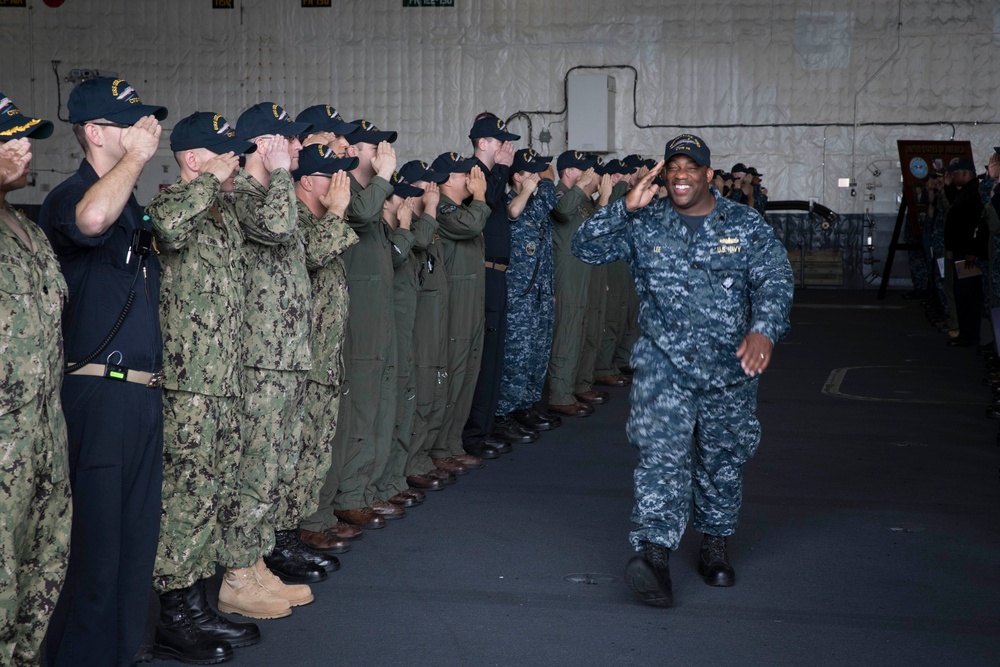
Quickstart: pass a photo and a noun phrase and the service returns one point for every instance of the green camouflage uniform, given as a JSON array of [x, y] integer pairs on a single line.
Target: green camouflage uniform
[[320, 464], [572, 289], [201, 310], [34, 488], [461, 231], [405, 283], [276, 359], [430, 356]]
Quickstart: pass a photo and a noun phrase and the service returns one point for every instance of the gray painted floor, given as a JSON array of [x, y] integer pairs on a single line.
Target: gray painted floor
[[869, 533]]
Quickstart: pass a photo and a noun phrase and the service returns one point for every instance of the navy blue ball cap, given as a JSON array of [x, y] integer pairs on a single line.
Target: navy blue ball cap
[[418, 170], [648, 164], [204, 129], [577, 159], [527, 159], [368, 133], [753, 172], [738, 168], [961, 164], [111, 99], [15, 125], [453, 163], [601, 167], [403, 189], [690, 145], [320, 160], [488, 125], [268, 118], [324, 118], [633, 161]]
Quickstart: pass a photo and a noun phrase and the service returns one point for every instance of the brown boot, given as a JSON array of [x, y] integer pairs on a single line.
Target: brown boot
[[242, 593], [296, 594]]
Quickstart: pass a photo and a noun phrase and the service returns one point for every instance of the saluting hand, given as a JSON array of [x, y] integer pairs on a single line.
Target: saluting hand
[[338, 195], [404, 214], [15, 158], [549, 173], [431, 198], [477, 184], [530, 184], [644, 191], [273, 151], [384, 161], [221, 166], [586, 178], [505, 154], [142, 139], [604, 187]]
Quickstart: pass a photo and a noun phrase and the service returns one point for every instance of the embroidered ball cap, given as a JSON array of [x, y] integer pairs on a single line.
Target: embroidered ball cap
[[738, 168], [15, 125], [601, 167], [753, 172], [961, 164], [648, 164], [633, 161], [368, 133], [268, 118], [453, 163], [527, 159], [111, 99], [488, 125], [324, 118], [418, 170], [690, 145], [204, 129], [403, 189], [320, 160], [577, 159]]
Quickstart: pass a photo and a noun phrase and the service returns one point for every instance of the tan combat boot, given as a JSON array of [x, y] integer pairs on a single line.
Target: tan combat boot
[[242, 593], [296, 594]]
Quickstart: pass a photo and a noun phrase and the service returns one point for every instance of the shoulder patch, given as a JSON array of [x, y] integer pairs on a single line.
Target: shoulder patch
[[447, 208], [560, 193]]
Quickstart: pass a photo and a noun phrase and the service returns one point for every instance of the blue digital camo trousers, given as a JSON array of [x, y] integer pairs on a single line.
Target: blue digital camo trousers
[[692, 446], [530, 320]]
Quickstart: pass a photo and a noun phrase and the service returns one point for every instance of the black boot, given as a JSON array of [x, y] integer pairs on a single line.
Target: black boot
[[505, 428], [713, 564], [237, 634], [329, 563], [178, 638], [649, 575], [288, 562]]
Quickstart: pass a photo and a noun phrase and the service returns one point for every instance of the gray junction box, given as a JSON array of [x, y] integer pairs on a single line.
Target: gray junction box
[[591, 113]]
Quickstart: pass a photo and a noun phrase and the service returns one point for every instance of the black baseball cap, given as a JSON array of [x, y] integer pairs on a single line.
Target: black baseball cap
[[649, 163], [961, 164], [690, 145], [527, 159], [268, 118], [403, 189], [739, 167], [569, 159], [489, 125], [318, 159], [368, 133], [633, 161], [15, 125], [204, 129], [111, 99], [418, 170], [753, 172], [453, 163], [601, 167], [324, 118]]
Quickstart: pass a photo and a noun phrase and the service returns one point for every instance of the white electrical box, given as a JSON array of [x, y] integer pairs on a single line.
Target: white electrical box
[[590, 107]]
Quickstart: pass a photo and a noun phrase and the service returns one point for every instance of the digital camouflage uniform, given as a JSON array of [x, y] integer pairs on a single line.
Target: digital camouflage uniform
[[276, 359], [701, 294], [430, 356], [320, 464], [628, 338], [530, 304], [461, 231], [572, 288], [405, 283], [201, 308], [34, 484], [368, 407]]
